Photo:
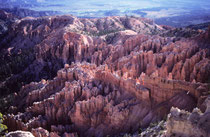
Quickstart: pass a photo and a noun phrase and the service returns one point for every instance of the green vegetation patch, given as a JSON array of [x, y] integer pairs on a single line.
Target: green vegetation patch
[[3, 128]]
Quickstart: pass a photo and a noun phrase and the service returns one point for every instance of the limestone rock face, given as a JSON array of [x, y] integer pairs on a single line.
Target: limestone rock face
[[99, 77], [182, 123], [94, 101], [38, 47], [19, 134]]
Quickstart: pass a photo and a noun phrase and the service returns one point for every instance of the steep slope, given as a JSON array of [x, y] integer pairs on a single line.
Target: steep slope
[[49, 39], [195, 123], [182, 123], [6, 20], [123, 74], [95, 101]]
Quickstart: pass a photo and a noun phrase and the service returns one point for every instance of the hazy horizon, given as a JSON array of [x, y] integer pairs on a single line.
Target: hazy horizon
[[71, 6], [82, 6], [189, 11]]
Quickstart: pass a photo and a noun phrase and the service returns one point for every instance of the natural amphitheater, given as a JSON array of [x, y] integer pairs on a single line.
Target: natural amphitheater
[[96, 77]]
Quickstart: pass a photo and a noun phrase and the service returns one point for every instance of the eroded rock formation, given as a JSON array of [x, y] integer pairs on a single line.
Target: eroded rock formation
[[122, 74], [185, 124], [45, 44], [95, 101]]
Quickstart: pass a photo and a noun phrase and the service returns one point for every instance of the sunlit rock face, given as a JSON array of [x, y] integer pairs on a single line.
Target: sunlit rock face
[[19, 134], [182, 123], [88, 100], [105, 76], [45, 44]]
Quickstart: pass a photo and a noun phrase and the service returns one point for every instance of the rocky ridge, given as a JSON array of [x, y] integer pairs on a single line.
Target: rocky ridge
[[37, 43], [194, 124], [181, 123], [94, 101], [22, 12], [123, 74], [6, 20]]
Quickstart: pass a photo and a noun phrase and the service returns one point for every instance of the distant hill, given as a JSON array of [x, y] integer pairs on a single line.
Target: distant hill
[[20, 12], [202, 26]]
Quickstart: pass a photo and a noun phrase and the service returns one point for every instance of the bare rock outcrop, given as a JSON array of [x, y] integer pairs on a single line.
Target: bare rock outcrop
[[45, 44], [94, 101], [182, 123], [98, 77], [19, 134], [37, 43]]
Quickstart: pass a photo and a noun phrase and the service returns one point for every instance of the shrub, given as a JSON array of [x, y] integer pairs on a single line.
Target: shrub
[[3, 128]]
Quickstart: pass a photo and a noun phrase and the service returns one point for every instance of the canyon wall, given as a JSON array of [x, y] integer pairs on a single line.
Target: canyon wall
[[99, 77]]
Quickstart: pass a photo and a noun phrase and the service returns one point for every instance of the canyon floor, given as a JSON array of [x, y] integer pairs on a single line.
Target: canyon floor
[[114, 76]]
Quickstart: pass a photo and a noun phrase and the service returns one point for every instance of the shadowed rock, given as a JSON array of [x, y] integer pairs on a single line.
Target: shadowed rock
[[122, 74]]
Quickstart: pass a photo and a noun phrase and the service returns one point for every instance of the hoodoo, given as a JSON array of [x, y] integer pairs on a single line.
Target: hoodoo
[[101, 77]]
